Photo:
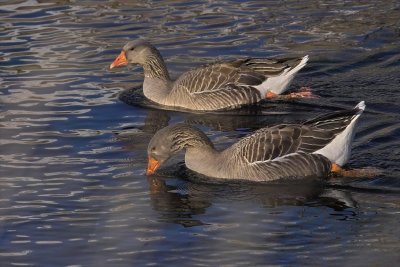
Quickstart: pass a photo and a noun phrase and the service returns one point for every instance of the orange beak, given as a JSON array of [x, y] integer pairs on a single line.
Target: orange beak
[[152, 166], [119, 61]]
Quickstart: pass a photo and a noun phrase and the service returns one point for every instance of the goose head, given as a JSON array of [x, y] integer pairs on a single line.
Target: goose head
[[170, 140], [161, 147], [134, 52]]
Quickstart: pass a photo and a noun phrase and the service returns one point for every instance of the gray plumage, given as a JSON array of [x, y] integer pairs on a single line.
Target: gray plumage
[[286, 151], [219, 86]]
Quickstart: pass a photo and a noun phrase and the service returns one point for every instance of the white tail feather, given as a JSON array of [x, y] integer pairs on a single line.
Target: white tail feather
[[339, 149], [280, 83]]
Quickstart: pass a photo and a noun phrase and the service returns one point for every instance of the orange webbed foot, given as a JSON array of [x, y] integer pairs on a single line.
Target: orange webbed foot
[[270, 95], [367, 172], [303, 92]]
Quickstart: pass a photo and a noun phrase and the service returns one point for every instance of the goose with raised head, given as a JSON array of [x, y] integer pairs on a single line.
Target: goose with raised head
[[218, 86], [314, 148]]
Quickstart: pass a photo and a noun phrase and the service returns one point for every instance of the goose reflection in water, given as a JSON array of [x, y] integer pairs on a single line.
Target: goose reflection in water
[[185, 199]]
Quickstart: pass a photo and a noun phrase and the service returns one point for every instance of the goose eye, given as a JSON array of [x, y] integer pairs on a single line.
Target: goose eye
[[132, 48]]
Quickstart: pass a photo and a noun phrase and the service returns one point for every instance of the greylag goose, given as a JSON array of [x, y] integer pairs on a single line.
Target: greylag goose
[[219, 86], [314, 148]]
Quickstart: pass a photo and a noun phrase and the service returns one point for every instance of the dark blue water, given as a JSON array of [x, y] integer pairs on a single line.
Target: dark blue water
[[73, 155]]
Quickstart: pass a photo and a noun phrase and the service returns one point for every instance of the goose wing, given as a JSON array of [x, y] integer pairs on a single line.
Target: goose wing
[[271, 67], [249, 71], [228, 84], [215, 77], [268, 143], [219, 86], [281, 140], [276, 152]]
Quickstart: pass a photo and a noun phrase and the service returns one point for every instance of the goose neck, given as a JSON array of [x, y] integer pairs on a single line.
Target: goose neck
[[154, 67]]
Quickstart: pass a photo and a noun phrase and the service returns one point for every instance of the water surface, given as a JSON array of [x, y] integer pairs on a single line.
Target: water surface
[[72, 185]]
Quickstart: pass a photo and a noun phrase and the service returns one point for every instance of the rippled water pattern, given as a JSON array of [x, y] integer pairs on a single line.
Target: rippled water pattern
[[72, 185]]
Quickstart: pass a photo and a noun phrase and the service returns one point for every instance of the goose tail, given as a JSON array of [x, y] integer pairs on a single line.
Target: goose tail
[[280, 83], [339, 149]]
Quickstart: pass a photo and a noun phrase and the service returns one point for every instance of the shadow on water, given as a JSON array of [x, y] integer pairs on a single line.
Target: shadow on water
[[266, 113], [181, 201]]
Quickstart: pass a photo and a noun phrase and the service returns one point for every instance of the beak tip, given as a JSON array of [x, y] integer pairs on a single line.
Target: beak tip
[[119, 61], [152, 166]]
